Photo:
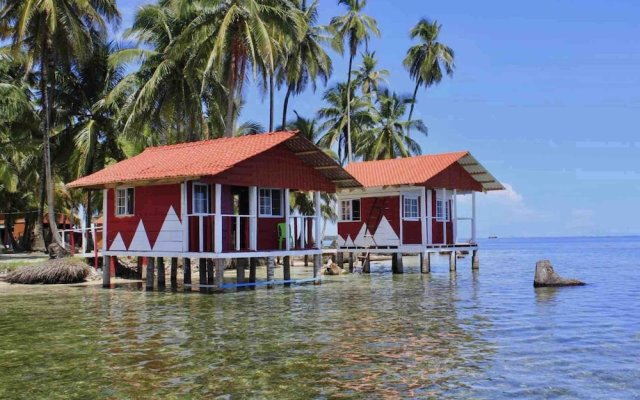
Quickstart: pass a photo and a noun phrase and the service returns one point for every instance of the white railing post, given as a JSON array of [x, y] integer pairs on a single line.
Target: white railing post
[[423, 215], [218, 220], [318, 219], [454, 216], [287, 245], [64, 242], [201, 231], [253, 219], [445, 207], [185, 218], [237, 232], [429, 217], [473, 217]]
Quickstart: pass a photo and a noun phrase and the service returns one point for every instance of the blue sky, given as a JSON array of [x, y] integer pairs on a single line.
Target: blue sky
[[546, 95]]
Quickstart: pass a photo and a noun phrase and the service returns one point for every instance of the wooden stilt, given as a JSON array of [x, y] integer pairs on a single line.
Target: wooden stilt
[[340, 259], [106, 275], [150, 268], [210, 272], [253, 262], [202, 270], [140, 266], [452, 261], [396, 263], [219, 273], [475, 261], [174, 271], [286, 269], [366, 264], [186, 269], [351, 262], [161, 277], [317, 267], [271, 265], [240, 265], [425, 263]]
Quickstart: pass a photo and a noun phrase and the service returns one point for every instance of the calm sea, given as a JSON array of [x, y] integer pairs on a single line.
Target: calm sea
[[486, 334]]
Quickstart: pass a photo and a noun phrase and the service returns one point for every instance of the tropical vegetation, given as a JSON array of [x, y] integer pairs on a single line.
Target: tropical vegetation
[[74, 99]]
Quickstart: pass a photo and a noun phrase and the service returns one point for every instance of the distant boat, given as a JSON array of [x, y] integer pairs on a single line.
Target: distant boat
[[493, 237]]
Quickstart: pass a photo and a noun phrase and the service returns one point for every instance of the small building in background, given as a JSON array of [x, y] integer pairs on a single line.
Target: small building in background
[[410, 205]]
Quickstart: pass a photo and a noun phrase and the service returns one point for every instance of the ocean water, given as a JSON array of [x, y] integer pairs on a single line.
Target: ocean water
[[485, 334]]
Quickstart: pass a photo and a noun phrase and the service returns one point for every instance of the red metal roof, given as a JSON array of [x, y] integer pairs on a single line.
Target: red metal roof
[[206, 158], [418, 170]]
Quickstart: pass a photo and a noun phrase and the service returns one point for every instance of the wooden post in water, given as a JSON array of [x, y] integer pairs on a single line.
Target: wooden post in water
[[161, 278], [150, 268], [202, 270], [219, 273], [396, 263], [253, 262], [317, 267], [475, 261], [174, 271], [271, 265], [452, 261], [139, 265], [240, 264], [351, 263], [210, 272], [340, 259], [186, 270], [106, 274], [366, 264], [286, 269], [425, 262]]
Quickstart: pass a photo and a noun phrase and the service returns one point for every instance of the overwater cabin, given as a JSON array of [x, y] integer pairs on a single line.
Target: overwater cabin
[[218, 199], [410, 205]]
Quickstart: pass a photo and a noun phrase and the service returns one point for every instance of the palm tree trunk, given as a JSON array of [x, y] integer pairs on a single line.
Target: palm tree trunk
[[413, 103], [349, 149], [271, 105], [38, 230], [46, 108], [228, 119], [285, 106]]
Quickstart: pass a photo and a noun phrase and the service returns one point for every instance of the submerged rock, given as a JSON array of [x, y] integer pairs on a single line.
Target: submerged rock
[[546, 276], [333, 269]]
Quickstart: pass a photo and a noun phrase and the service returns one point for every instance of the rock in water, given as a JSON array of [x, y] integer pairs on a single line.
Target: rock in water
[[546, 276], [333, 269]]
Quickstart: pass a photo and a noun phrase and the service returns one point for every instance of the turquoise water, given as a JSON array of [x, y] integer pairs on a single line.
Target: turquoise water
[[488, 334]]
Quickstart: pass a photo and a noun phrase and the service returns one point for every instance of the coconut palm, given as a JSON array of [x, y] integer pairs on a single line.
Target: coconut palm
[[388, 137], [306, 59], [235, 36], [336, 116], [368, 77], [427, 60], [53, 33], [355, 28]]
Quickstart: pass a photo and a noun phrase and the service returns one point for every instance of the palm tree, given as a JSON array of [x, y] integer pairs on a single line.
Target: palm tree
[[306, 59], [336, 116], [53, 33], [388, 138], [166, 93], [427, 60], [367, 77], [355, 28], [234, 36]]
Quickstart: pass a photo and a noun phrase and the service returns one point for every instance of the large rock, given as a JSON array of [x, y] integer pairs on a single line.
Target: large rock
[[546, 276], [57, 251]]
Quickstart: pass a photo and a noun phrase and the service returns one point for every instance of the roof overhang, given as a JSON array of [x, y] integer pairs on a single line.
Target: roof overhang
[[480, 173]]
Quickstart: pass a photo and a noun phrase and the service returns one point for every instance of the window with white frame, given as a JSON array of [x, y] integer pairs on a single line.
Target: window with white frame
[[124, 201], [350, 210], [201, 198], [410, 208], [442, 210], [270, 202]]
